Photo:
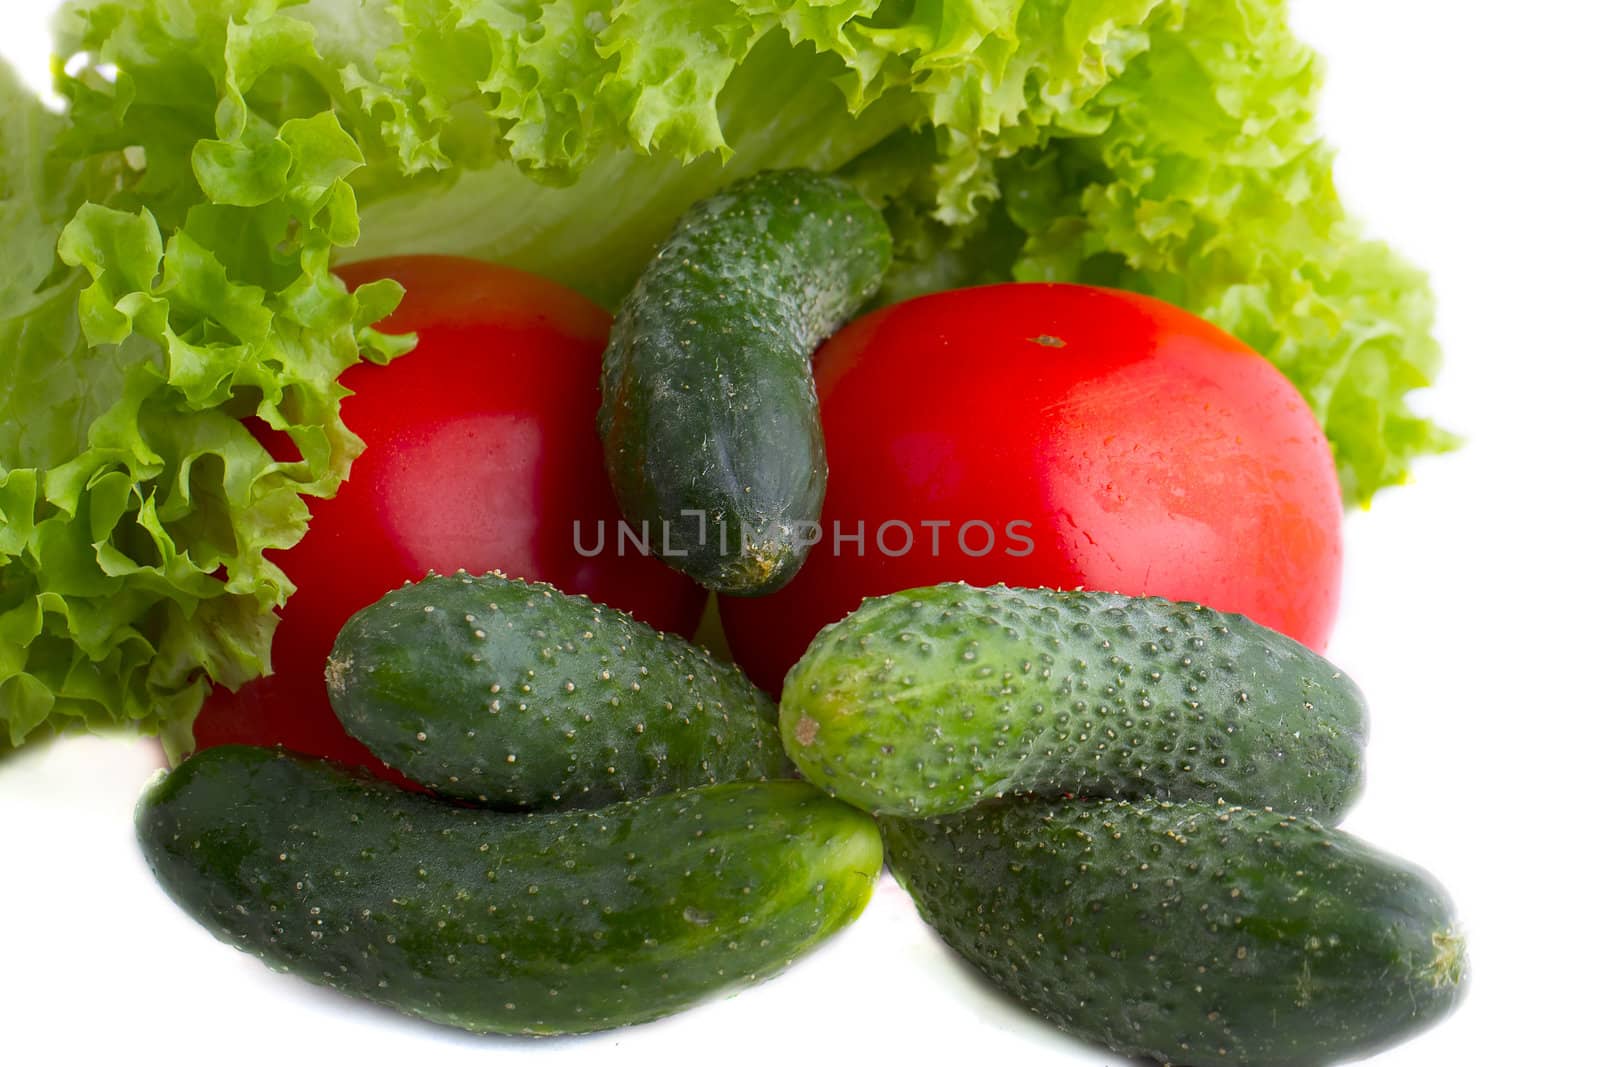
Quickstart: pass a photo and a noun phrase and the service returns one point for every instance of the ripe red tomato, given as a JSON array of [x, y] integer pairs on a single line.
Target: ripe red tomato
[[1080, 437], [481, 454]]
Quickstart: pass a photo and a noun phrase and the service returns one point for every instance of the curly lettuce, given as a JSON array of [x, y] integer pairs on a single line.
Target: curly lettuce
[[170, 239]]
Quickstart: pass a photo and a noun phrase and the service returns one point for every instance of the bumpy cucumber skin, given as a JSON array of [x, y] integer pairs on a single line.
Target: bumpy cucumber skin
[[1189, 933], [516, 695], [709, 408], [497, 921], [928, 700]]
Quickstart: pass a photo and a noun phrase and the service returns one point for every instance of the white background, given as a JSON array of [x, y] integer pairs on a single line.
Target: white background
[[1467, 132]]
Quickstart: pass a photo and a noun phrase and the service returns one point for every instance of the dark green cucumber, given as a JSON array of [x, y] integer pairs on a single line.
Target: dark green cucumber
[[709, 414], [505, 922], [1190, 933], [928, 700], [517, 695]]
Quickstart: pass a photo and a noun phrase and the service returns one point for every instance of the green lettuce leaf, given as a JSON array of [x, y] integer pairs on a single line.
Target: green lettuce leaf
[[135, 504], [170, 239]]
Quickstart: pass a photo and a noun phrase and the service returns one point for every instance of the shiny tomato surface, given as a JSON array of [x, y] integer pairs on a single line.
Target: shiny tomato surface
[[481, 454], [1102, 439]]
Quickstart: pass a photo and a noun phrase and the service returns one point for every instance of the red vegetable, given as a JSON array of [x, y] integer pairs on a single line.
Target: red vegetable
[[481, 454], [1063, 436]]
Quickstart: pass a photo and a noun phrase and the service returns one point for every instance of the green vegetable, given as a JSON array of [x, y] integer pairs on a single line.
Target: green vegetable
[[1189, 933], [505, 922], [141, 318], [168, 244], [709, 408], [518, 695], [928, 700]]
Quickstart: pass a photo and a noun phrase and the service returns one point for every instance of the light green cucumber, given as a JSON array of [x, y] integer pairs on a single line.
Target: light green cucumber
[[926, 701]]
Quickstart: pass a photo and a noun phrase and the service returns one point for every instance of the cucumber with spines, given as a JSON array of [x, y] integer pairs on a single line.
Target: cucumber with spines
[[709, 415], [929, 700], [1191, 933], [505, 922], [513, 694]]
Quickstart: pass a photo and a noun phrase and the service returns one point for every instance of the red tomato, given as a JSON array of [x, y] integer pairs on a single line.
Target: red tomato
[[481, 454], [1080, 437]]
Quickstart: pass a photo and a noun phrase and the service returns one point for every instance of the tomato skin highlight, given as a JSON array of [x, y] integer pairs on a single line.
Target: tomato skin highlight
[[481, 455], [1146, 451]]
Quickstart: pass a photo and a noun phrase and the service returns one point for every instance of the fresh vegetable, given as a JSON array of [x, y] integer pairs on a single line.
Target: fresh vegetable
[[930, 700], [709, 414], [479, 455], [1189, 933], [497, 921], [492, 690], [1047, 435], [169, 244]]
